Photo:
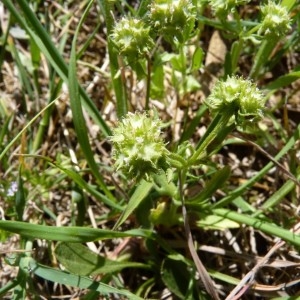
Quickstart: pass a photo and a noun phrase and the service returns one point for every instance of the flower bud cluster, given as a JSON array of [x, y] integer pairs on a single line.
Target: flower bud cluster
[[132, 38], [173, 19], [221, 7], [139, 149], [276, 20], [240, 95]]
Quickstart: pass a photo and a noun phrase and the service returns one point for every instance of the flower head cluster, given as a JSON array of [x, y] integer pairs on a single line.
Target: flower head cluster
[[173, 18], [132, 38], [276, 19], [221, 7], [240, 95], [139, 149]]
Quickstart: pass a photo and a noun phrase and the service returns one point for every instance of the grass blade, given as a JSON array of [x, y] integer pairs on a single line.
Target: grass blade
[[64, 234], [138, 196], [268, 228], [72, 279], [78, 118]]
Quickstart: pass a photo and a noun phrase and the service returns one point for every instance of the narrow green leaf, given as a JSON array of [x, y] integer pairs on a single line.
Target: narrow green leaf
[[212, 185], [78, 259], [7, 287], [78, 118], [216, 222], [139, 194], [73, 280], [176, 277], [119, 87], [190, 130], [265, 227], [197, 59], [283, 81], [288, 3], [20, 197], [23, 74], [65, 234], [277, 197]]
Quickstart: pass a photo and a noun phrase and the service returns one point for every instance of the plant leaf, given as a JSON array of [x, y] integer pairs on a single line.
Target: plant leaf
[[71, 234], [138, 196], [30, 265], [78, 259]]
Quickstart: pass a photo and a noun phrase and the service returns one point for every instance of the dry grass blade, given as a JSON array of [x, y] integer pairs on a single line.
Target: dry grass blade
[[248, 279], [205, 278]]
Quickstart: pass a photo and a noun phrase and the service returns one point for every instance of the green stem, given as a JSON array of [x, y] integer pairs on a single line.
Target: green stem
[[220, 121], [164, 187], [262, 56], [236, 49], [114, 63], [148, 83]]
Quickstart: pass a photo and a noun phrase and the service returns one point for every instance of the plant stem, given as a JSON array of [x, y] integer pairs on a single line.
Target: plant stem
[[148, 82], [263, 55], [220, 121], [117, 83]]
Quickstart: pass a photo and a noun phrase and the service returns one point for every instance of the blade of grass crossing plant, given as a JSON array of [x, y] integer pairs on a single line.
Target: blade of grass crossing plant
[[139, 195], [65, 234], [31, 266], [78, 118], [28, 20], [265, 227]]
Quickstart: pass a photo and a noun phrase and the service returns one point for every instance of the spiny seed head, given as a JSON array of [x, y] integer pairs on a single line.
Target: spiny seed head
[[173, 18], [276, 20], [139, 149], [132, 38], [238, 94], [221, 7]]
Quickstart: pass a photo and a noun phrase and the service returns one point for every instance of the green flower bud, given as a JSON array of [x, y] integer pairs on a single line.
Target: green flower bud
[[221, 7], [276, 20], [240, 95], [174, 19], [139, 149], [132, 38]]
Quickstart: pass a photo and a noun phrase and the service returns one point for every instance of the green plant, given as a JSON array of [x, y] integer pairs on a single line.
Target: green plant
[[165, 167]]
